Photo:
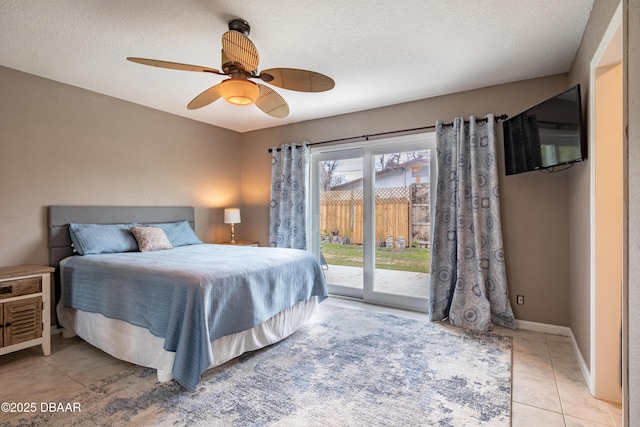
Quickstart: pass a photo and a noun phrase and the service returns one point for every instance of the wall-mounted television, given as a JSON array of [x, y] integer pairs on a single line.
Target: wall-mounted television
[[547, 135]]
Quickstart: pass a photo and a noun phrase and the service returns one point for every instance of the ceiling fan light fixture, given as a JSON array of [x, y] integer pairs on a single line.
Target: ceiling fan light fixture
[[239, 92], [240, 63]]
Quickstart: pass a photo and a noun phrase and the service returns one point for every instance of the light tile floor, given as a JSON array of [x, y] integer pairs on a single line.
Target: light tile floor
[[548, 387]]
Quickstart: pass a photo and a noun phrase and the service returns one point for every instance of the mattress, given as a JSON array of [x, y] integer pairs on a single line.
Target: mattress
[[139, 346]]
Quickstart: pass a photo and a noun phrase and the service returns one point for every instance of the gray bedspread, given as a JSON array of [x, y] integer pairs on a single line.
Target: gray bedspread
[[192, 295]]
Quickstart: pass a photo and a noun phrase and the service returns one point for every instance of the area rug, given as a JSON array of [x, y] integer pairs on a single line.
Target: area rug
[[346, 367]]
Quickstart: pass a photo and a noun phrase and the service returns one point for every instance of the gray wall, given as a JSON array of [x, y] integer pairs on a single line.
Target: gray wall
[[65, 145], [631, 22], [534, 205]]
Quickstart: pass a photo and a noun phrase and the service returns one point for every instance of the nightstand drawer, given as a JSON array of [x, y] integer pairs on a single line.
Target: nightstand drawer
[[15, 288]]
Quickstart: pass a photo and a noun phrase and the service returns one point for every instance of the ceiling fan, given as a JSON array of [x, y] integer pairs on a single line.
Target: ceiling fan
[[240, 64]]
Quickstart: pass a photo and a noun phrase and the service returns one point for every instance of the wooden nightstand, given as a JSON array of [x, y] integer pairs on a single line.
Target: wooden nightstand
[[25, 318], [239, 243]]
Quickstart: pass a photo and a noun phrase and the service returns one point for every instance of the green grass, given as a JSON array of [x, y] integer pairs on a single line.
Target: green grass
[[409, 259]]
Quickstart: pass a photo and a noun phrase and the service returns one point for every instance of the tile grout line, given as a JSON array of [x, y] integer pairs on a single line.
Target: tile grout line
[[555, 379], [556, 384], [564, 414], [45, 359]]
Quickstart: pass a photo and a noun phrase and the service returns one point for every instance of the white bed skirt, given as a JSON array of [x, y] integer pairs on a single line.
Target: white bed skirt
[[137, 345]]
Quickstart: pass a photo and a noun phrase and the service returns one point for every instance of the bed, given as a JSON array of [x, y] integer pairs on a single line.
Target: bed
[[180, 309]]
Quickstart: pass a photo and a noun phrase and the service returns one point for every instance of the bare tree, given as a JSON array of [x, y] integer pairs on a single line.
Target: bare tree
[[387, 161], [421, 154], [338, 180], [328, 176], [393, 160]]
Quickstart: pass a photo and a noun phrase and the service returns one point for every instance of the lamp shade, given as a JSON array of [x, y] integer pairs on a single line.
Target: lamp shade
[[239, 92], [232, 216]]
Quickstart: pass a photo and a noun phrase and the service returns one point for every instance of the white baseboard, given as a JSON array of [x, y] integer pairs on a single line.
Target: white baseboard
[[564, 331], [586, 373]]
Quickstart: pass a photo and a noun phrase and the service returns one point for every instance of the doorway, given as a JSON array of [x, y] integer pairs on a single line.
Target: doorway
[[371, 216], [607, 213]]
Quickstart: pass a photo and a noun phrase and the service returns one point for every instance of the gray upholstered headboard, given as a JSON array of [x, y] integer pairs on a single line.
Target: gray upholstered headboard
[[61, 216]]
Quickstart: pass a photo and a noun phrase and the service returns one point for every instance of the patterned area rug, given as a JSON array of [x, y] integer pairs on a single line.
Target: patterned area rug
[[345, 368]]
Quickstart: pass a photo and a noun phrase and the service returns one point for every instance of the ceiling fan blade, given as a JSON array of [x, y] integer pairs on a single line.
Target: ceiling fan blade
[[300, 80], [240, 50], [271, 103], [205, 98], [173, 65]]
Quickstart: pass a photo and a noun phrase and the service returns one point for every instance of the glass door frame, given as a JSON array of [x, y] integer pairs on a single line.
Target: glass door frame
[[367, 150], [313, 225]]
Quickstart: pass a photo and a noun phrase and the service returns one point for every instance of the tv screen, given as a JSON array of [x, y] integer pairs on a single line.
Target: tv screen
[[546, 135]]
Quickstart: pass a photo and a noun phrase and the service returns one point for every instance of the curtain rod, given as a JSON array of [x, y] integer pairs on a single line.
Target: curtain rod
[[366, 137]]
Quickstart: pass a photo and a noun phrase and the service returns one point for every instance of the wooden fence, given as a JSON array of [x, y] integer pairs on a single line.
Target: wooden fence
[[401, 212], [341, 214], [420, 214]]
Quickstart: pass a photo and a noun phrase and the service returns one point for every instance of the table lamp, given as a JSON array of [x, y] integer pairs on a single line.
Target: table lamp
[[232, 216]]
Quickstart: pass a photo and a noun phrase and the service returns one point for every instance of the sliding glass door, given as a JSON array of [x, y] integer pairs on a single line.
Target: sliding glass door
[[371, 218], [338, 218]]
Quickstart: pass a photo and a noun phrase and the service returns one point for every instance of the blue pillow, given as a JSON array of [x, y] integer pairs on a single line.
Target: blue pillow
[[102, 238], [179, 233]]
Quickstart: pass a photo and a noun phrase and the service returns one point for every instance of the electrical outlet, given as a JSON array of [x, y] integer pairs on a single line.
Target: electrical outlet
[[520, 300]]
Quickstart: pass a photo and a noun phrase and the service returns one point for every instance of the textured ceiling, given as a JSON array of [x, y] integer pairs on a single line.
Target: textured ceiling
[[378, 52]]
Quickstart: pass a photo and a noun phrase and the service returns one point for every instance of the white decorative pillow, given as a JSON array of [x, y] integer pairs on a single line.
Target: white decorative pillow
[[151, 239]]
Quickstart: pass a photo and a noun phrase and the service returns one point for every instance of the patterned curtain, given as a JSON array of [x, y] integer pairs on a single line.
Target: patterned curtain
[[468, 276], [289, 183]]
